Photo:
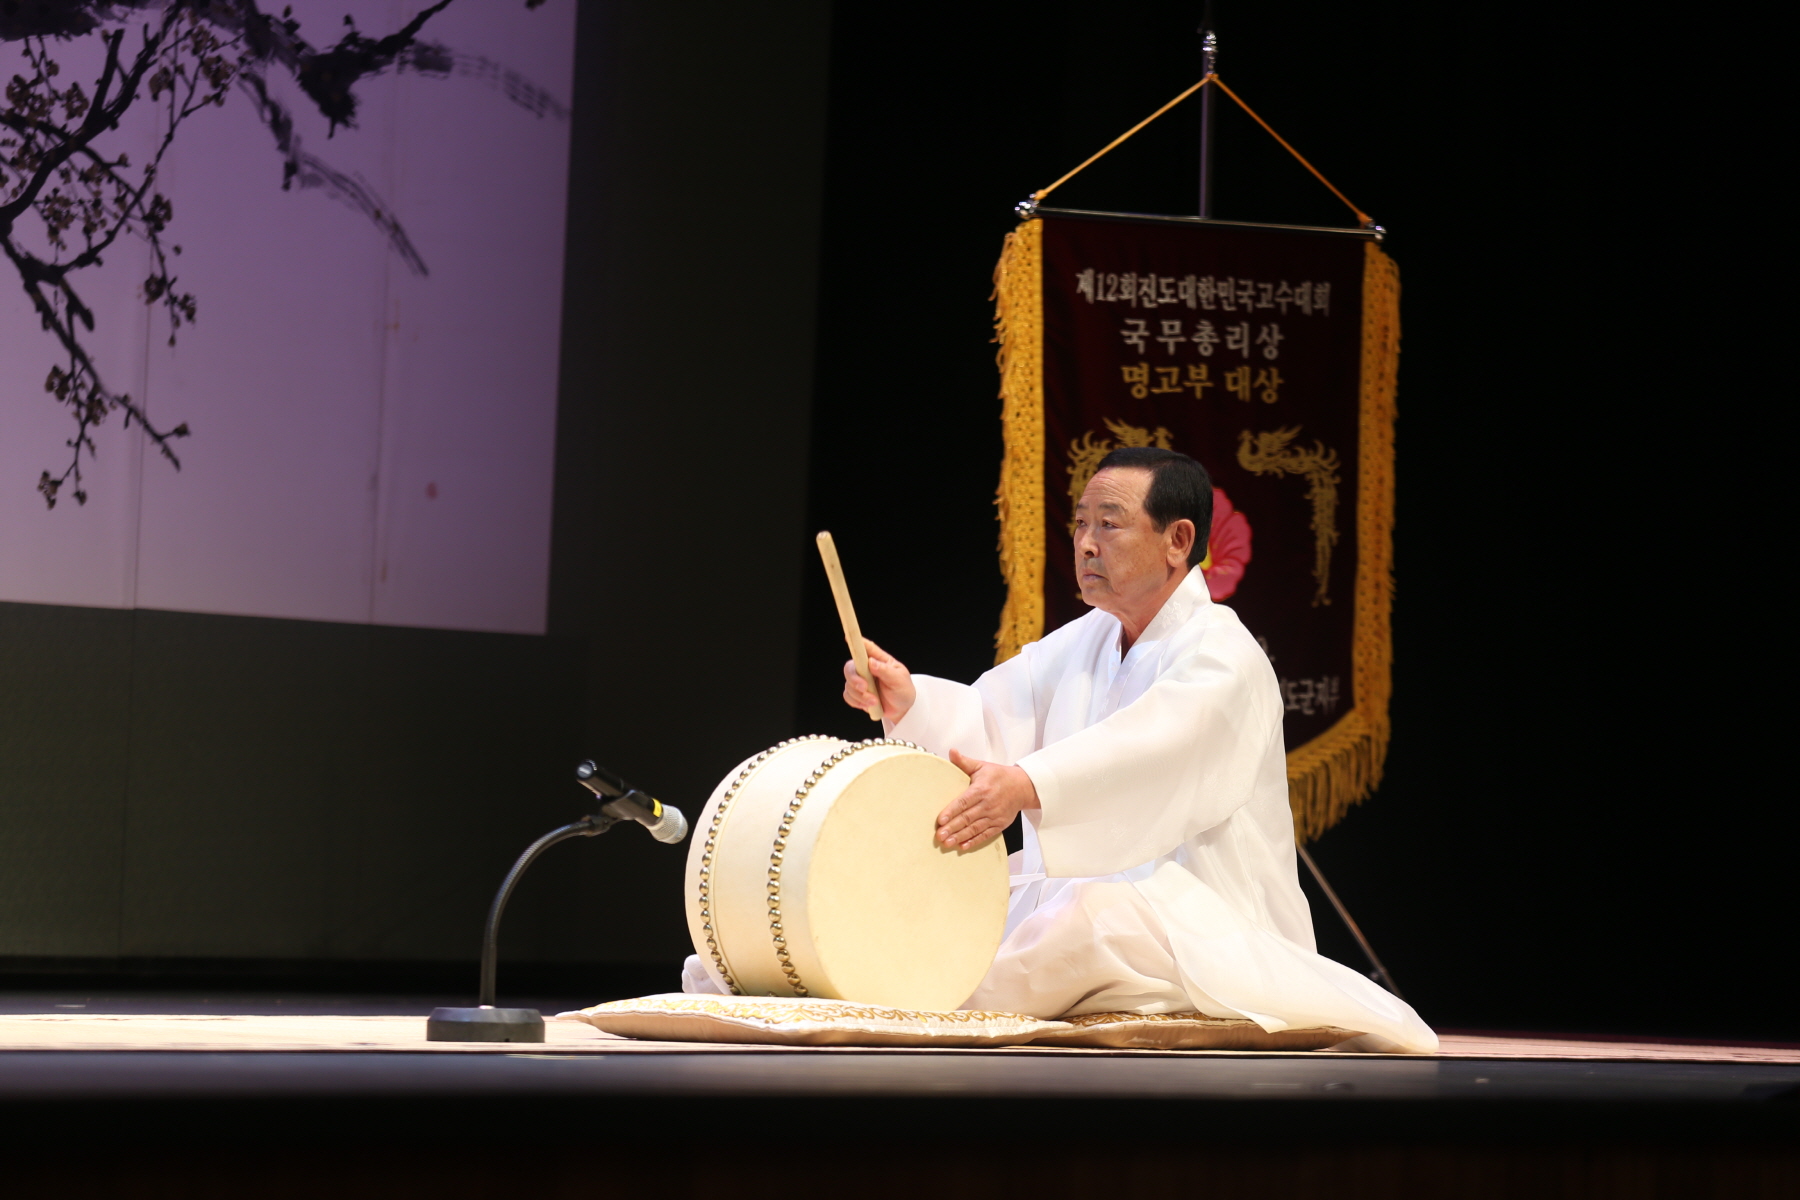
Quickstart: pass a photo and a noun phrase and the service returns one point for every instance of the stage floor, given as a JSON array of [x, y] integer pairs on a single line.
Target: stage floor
[[233, 1095], [78, 1052]]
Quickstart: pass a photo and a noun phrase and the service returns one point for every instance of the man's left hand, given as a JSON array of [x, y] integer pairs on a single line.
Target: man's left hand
[[995, 795]]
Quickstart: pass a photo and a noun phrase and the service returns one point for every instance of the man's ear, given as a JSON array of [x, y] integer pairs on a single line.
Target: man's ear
[[1181, 540]]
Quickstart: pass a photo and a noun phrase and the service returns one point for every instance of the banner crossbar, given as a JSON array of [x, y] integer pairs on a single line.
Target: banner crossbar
[[1371, 233]]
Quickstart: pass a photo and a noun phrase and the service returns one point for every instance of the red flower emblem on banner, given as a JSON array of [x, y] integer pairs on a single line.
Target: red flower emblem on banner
[[1227, 549]]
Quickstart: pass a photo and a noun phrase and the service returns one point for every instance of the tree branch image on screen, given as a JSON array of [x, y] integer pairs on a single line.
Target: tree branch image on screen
[[279, 322]]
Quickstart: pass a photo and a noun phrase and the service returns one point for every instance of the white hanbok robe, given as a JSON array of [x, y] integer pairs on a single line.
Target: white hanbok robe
[[1159, 875]]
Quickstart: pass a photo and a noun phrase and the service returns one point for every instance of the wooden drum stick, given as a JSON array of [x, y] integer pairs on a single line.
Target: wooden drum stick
[[834, 571]]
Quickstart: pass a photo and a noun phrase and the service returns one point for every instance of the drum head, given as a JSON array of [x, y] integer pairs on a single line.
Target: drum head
[[896, 919]]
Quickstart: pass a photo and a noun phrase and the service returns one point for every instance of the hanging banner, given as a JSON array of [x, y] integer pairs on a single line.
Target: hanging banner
[[1269, 355]]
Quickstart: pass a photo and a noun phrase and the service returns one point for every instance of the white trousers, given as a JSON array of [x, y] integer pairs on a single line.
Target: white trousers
[[1096, 946]]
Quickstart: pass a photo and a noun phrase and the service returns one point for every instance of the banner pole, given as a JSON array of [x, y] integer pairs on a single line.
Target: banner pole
[[1209, 57]]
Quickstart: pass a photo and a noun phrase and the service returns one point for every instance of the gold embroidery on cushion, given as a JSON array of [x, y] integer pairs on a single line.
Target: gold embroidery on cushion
[[782, 1012], [1093, 1020]]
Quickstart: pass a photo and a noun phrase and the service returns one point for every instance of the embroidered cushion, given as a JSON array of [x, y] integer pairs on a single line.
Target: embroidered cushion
[[800, 1021], [1186, 1031]]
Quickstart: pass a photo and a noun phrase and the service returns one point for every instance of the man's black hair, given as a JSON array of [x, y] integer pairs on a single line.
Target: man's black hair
[[1179, 487]]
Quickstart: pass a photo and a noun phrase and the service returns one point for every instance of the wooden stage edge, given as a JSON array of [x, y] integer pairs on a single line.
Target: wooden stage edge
[[390, 1034]]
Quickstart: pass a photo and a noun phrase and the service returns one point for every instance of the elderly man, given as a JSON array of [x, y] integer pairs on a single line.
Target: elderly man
[[1143, 744]]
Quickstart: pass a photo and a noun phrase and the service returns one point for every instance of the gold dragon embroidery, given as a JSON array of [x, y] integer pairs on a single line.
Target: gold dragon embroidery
[[1085, 454], [1274, 454]]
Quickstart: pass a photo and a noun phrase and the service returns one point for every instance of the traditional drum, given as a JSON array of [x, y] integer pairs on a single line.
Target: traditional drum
[[815, 871]]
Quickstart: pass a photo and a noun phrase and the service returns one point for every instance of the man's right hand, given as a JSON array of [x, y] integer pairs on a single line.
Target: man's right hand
[[897, 691]]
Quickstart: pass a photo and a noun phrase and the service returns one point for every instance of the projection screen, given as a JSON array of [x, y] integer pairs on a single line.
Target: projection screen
[[371, 379]]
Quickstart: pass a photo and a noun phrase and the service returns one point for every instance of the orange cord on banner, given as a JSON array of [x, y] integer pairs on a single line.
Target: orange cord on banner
[[1122, 137], [1361, 216]]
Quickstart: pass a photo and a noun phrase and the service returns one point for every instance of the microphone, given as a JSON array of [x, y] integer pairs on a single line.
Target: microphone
[[624, 802]]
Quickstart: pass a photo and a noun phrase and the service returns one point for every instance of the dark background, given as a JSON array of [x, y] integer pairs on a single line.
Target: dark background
[[1583, 825]]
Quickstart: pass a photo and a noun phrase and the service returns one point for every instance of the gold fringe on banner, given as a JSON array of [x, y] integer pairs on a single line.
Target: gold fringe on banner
[[1019, 328], [1341, 766]]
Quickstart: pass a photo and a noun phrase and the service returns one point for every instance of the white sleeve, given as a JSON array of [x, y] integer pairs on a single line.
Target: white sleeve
[[995, 720], [1173, 763]]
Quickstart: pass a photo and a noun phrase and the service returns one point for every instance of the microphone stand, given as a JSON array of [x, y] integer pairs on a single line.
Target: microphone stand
[[487, 1023]]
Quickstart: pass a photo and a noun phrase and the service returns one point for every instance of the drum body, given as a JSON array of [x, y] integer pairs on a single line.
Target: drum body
[[815, 870]]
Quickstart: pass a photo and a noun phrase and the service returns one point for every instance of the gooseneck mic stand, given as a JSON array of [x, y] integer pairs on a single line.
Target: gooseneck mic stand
[[487, 1023]]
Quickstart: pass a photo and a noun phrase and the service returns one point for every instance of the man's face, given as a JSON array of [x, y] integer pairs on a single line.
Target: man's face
[[1120, 558]]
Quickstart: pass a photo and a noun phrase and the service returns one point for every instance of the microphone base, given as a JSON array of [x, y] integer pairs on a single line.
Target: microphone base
[[484, 1024]]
